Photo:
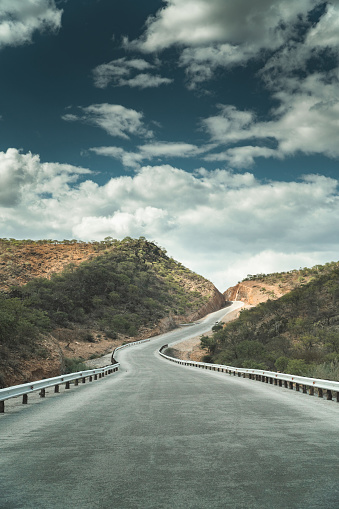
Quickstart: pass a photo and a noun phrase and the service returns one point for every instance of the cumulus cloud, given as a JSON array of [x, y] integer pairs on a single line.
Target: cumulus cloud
[[149, 151], [211, 221], [263, 24], [19, 20], [24, 173], [124, 72], [306, 120], [215, 33], [115, 119]]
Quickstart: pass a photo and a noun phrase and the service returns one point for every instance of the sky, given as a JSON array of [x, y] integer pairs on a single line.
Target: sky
[[208, 126]]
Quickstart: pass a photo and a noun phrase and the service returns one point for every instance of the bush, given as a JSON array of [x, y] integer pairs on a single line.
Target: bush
[[74, 365]]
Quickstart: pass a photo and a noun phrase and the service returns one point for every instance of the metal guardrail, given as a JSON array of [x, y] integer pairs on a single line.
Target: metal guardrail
[[307, 385], [126, 345], [27, 388]]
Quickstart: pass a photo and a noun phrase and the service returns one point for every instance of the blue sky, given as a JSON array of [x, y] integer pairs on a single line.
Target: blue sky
[[208, 126]]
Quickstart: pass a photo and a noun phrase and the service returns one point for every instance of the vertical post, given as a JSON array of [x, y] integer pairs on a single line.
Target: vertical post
[[2, 407], [42, 393], [95, 377], [67, 385], [291, 385], [84, 380], [56, 389], [320, 392], [76, 382], [329, 394], [297, 387], [311, 391], [24, 399], [285, 384]]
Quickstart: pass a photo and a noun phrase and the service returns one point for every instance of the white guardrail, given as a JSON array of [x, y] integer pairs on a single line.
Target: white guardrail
[[27, 388], [41, 385], [307, 385], [128, 344]]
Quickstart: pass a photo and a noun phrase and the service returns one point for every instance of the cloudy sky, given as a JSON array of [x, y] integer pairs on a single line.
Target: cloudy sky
[[208, 126]]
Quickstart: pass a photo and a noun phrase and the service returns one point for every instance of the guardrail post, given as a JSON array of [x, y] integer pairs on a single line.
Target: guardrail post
[[24, 399], [280, 383], [320, 392], [90, 379], [297, 387], [2, 407], [76, 381], [290, 385], [304, 388], [42, 393], [95, 377], [329, 394], [56, 388], [285, 384], [67, 386], [84, 380], [311, 391]]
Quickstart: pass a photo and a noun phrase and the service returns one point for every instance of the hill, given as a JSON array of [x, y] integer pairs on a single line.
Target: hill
[[297, 333], [112, 292], [259, 288]]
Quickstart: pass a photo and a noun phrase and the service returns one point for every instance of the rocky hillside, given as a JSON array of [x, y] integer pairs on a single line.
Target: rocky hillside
[[259, 288], [75, 300]]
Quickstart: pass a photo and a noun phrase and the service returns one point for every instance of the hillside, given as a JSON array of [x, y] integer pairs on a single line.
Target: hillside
[[259, 288], [297, 333], [112, 292]]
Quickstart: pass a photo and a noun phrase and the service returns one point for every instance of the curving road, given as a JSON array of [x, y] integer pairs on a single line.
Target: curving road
[[158, 435]]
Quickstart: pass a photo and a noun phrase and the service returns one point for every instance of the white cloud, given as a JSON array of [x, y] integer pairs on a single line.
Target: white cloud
[[242, 157], [149, 151], [306, 120], [24, 173], [220, 224], [19, 20], [215, 33], [119, 73], [145, 80], [204, 22], [115, 119]]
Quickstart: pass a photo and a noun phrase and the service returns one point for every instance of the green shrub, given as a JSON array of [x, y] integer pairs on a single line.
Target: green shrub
[[74, 365]]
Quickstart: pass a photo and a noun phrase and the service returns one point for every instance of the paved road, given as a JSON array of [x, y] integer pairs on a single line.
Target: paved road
[[158, 435]]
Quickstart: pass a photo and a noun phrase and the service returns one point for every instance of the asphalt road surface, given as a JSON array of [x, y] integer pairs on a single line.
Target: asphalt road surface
[[158, 435]]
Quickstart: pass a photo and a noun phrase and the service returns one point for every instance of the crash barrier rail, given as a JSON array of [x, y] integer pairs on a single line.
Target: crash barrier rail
[[25, 389], [125, 346], [307, 385]]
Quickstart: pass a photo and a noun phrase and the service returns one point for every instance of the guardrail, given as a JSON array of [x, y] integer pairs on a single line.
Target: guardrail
[[25, 389], [126, 345], [307, 385]]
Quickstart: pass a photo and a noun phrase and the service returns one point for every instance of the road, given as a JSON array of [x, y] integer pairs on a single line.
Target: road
[[158, 435]]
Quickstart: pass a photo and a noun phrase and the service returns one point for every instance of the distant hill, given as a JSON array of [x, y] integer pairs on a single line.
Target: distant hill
[[111, 292], [257, 288], [297, 333]]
